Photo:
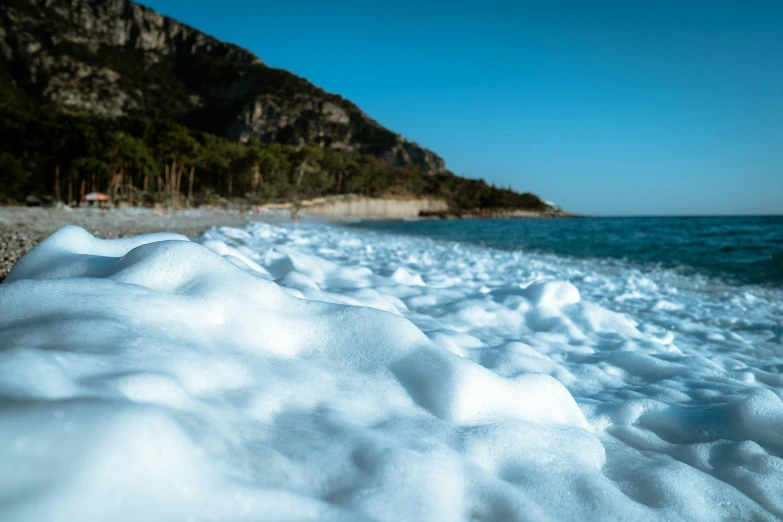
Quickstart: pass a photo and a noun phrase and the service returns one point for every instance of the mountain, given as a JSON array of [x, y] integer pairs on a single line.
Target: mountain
[[117, 58]]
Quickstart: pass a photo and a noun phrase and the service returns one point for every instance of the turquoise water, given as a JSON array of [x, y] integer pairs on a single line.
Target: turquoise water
[[737, 250]]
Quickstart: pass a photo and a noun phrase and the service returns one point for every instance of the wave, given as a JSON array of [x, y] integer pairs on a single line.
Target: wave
[[319, 373], [735, 250]]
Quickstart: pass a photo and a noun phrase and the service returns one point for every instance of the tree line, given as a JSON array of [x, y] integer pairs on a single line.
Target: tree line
[[145, 161]]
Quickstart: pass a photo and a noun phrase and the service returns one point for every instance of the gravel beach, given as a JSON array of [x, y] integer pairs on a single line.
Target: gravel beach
[[22, 228]]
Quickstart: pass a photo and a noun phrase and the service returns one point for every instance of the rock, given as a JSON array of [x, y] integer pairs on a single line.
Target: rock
[[115, 58]]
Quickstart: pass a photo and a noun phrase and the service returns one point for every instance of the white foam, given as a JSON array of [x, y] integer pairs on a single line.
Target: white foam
[[318, 373]]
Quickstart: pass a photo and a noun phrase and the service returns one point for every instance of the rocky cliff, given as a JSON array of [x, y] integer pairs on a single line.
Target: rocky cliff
[[115, 58]]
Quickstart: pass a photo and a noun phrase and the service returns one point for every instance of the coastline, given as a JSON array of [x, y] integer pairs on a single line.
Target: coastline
[[22, 228], [283, 343]]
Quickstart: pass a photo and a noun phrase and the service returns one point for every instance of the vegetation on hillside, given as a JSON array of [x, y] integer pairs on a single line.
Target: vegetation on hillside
[[69, 55], [174, 94], [148, 161]]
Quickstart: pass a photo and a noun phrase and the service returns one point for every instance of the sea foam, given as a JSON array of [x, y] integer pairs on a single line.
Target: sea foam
[[318, 373]]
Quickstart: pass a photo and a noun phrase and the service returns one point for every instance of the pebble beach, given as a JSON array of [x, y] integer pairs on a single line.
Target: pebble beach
[[21, 228]]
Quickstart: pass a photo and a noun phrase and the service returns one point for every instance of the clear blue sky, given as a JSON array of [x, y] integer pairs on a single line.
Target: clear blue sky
[[604, 107]]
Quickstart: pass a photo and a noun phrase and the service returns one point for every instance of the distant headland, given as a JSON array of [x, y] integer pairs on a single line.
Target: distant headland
[[110, 97]]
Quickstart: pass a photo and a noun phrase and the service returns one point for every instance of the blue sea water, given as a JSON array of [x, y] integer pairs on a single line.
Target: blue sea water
[[736, 250]]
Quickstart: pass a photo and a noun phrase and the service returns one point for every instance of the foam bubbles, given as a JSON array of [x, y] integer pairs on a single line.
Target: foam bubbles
[[315, 373]]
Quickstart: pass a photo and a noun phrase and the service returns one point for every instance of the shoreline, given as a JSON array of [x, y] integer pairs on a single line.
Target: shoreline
[[22, 228], [364, 343]]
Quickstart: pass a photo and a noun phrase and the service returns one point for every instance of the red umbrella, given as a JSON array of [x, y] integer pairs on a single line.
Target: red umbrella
[[96, 196]]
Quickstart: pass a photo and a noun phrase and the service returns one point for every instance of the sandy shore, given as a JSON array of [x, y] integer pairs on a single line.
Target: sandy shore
[[22, 228]]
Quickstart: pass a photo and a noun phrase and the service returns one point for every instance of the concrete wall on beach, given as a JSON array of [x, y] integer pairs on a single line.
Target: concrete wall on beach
[[360, 206]]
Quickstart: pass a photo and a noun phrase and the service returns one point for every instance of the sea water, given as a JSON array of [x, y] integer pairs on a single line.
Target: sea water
[[737, 250], [314, 372]]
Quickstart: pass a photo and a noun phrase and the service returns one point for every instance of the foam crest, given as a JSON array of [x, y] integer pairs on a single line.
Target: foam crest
[[316, 373]]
